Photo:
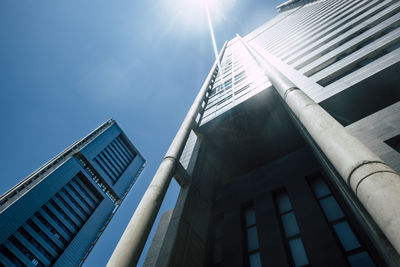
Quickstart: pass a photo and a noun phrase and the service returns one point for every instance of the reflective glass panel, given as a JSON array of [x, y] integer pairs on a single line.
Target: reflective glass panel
[[252, 238], [250, 216], [346, 236], [283, 202], [290, 224], [255, 260], [331, 208], [298, 252], [361, 259], [320, 188]]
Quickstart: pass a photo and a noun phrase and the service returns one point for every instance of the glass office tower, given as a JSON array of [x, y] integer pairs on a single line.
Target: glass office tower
[[55, 215], [262, 193]]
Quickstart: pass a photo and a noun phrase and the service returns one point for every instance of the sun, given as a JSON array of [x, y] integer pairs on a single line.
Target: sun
[[191, 13]]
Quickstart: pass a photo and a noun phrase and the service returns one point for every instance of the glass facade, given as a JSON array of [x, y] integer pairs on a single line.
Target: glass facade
[[239, 79], [115, 158], [55, 216], [46, 234]]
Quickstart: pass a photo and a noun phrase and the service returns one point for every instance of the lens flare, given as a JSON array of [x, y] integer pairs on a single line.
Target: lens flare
[[189, 15], [214, 44]]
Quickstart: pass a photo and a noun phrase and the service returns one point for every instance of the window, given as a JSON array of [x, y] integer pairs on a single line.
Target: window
[[291, 229], [240, 77], [356, 65], [227, 84], [394, 143], [49, 227], [251, 236], [247, 86], [352, 249], [115, 158], [40, 251], [44, 236]]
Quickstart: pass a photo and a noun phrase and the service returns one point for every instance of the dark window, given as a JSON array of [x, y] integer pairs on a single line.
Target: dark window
[[331, 208], [394, 142], [10, 256], [251, 236], [44, 236], [115, 158], [283, 202], [290, 224], [36, 244], [298, 252], [354, 252], [51, 228], [291, 229], [346, 236], [242, 89], [64, 216], [255, 260], [360, 259], [57, 221]]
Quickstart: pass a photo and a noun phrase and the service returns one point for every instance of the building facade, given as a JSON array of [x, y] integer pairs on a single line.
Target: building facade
[[55, 216], [262, 191]]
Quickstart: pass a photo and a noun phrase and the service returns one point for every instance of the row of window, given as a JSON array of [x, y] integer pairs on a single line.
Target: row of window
[[224, 83], [233, 84], [352, 249], [94, 175], [291, 229], [361, 62], [362, 43], [251, 233], [318, 22], [115, 158], [45, 235], [333, 26], [28, 181]]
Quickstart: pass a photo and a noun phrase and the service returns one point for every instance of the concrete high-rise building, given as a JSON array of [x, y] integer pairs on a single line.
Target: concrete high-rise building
[[56, 214], [289, 155]]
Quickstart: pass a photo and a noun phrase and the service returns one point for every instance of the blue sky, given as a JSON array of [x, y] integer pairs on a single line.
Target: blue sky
[[68, 66]]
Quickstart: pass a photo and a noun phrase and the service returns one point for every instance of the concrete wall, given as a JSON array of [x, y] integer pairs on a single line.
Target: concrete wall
[[375, 129], [185, 240], [258, 186]]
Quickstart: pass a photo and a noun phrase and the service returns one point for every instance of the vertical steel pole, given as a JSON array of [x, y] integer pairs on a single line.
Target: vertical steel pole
[[130, 246], [376, 185]]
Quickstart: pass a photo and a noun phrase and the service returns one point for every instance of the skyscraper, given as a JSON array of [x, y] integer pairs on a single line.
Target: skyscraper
[[56, 214], [293, 153]]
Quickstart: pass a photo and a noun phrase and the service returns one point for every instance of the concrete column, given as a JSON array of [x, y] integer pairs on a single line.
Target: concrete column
[[130, 246], [376, 185]]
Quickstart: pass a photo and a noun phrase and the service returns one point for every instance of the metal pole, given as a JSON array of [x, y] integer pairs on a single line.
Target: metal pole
[[376, 185], [130, 246]]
